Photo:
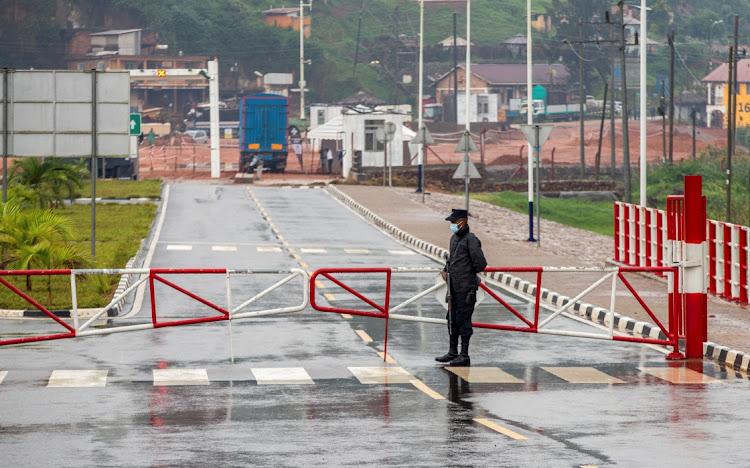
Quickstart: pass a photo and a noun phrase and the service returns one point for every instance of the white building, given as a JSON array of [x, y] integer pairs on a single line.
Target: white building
[[482, 108]]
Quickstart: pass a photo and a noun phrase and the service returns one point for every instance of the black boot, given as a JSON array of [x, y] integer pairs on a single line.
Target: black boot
[[463, 359], [452, 351]]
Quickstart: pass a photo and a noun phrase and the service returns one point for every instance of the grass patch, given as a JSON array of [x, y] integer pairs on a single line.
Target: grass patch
[[593, 216], [119, 230], [123, 189]]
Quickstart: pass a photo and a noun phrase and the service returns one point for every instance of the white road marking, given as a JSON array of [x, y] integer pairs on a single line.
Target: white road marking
[[678, 375], [179, 247], [268, 249], [313, 250], [223, 248], [165, 377], [357, 251], [402, 252], [281, 376], [78, 378], [582, 375], [2, 375], [483, 375], [381, 375]]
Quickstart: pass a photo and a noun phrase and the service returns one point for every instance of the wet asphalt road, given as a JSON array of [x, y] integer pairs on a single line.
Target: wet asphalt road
[[229, 414]]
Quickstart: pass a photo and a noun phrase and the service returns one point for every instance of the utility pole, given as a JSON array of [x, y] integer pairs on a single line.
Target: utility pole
[[613, 165], [692, 115], [735, 87], [730, 111], [625, 139], [663, 122], [302, 82], [580, 96], [359, 31], [671, 96], [396, 52], [455, 72]]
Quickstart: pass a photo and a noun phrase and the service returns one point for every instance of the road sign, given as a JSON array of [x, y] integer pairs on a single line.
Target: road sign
[[466, 144], [537, 134], [385, 133], [135, 124], [461, 170], [423, 137]]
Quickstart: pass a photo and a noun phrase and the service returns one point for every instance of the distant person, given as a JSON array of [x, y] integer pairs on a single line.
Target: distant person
[[464, 262], [653, 111], [141, 137], [151, 136], [329, 160]]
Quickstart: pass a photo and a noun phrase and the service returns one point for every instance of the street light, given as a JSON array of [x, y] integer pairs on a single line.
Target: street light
[[711, 41]]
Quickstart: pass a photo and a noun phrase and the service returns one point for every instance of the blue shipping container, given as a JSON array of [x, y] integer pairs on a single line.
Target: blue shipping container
[[264, 120]]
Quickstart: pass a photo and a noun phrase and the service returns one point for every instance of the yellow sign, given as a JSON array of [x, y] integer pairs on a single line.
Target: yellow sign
[[161, 73]]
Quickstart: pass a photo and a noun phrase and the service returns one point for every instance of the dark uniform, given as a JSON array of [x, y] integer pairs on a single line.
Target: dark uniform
[[465, 260]]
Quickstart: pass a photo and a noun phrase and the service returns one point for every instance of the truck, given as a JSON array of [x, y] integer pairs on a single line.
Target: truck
[[553, 112], [542, 111], [263, 124]]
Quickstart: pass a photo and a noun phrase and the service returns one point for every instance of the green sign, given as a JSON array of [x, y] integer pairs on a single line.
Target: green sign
[[135, 124]]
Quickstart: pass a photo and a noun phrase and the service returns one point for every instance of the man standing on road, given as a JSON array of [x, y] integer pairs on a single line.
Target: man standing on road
[[466, 259]]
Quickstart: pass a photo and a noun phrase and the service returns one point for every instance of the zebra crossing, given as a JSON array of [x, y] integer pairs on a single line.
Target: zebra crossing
[[269, 248], [386, 374]]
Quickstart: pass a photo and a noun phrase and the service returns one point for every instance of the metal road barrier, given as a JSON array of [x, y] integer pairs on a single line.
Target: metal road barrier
[[152, 276], [528, 324]]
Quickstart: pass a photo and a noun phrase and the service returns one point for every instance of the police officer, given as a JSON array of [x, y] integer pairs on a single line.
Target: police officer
[[466, 259]]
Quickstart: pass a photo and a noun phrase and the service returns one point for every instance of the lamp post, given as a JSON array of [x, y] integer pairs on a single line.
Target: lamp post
[[711, 42], [530, 118]]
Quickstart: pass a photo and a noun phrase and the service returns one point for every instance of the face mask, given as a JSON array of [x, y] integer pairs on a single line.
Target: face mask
[[454, 228]]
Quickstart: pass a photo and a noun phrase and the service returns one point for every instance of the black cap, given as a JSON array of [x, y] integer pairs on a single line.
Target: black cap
[[457, 214]]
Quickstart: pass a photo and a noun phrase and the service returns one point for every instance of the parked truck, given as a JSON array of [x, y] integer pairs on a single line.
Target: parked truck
[[557, 112], [264, 119]]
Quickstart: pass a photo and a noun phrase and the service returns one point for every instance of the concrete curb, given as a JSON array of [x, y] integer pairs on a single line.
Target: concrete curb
[[595, 314], [726, 356]]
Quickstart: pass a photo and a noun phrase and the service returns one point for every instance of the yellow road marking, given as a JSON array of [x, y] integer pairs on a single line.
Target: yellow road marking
[[285, 243], [363, 334], [330, 296], [275, 231], [388, 359], [310, 272], [271, 224], [347, 316], [500, 429], [280, 237], [268, 218], [319, 284], [430, 392], [297, 257], [291, 250], [303, 264]]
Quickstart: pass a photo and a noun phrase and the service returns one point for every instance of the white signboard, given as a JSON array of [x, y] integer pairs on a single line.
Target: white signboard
[[50, 113]]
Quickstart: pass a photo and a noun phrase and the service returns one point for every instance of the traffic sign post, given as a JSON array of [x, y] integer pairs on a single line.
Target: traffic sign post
[[135, 124], [423, 138], [466, 145], [536, 135]]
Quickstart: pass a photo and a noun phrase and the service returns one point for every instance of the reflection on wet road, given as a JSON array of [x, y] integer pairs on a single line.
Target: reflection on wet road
[[312, 388]]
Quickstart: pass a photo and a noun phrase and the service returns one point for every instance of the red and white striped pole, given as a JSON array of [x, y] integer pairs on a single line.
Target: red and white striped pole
[[694, 278]]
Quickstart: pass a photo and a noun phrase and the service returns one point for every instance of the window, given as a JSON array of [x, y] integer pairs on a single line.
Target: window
[[483, 105], [371, 141], [508, 95], [100, 66], [80, 66], [321, 117]]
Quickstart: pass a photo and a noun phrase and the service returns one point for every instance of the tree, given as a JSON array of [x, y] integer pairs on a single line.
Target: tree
[[52, 180]]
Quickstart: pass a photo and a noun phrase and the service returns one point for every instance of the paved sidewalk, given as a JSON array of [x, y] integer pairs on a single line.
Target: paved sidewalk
[[504, 237]]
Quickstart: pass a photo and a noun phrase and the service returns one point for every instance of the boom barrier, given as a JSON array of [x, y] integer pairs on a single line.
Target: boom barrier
[[154, 276], [533, 324]]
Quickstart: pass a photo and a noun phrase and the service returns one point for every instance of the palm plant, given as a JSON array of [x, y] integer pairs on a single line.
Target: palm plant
[[52, 180], [36, 239]]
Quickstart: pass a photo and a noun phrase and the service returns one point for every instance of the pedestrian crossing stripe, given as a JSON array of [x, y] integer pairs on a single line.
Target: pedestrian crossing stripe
[[281, 376], [179, 247], [2, 375], [381, 375], [173, 377], [678, 375], [582, 375], [78, 378], [223, 248], [484, 375], [357, 251]]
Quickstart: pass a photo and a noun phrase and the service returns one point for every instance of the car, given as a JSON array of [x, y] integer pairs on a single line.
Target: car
[[618, 107], [198, 136]]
